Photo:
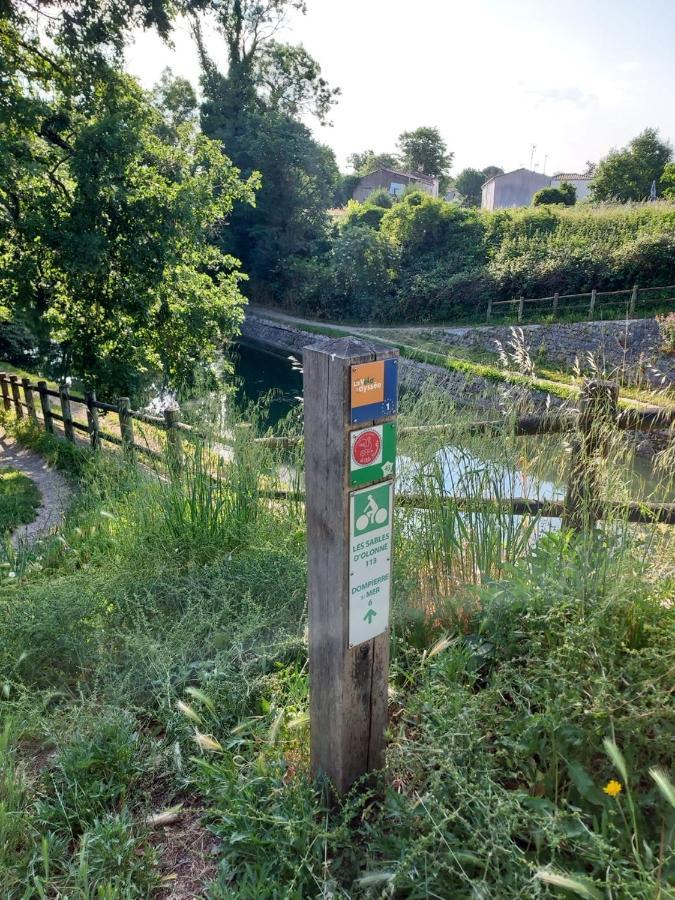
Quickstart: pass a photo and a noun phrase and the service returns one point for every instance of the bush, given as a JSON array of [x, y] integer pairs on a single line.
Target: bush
[[380, 197], [566, 194], [428, 260]]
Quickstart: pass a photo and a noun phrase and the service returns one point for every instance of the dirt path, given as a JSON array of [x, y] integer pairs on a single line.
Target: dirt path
[[53, 487]]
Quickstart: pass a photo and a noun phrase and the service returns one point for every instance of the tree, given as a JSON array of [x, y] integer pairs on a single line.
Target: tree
[[176, 100], [253, 109], [628, 174], [105, 226], [368, 161], [668, 181], [565, 194], [424, 150], [469, 183]]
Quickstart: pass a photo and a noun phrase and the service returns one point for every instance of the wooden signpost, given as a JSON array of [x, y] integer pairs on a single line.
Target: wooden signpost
[[351, 397]]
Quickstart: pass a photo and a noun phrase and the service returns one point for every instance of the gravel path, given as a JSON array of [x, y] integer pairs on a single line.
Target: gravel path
[[53, 487]]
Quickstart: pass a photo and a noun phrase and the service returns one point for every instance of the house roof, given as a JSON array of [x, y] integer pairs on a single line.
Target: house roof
[[512, 172], [417, 176], [572, 176]]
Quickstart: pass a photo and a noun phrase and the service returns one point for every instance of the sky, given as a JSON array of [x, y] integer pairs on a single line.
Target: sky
[[496, 77]]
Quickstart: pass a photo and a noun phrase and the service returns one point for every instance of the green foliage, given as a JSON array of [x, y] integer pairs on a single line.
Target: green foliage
[[365, 214], [424, 150], [19, 499], [156, 649], [469, 183], [628, 174], [104, 249], [668, 181], [368, 161], [177, 102], [380, 197], [253, 111], [565, 194], [345, 189]]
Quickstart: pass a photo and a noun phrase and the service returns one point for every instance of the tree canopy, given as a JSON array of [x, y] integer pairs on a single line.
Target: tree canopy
[[628, 174], [105, 219], [368, 161], [253, 109], [424, 150]]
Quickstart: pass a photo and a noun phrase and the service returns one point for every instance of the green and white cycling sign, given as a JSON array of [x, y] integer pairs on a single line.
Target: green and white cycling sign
[[370, 522]]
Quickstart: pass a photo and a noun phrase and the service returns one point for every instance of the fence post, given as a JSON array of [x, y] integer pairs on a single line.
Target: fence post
[[4, 385], [126, 424], [92, 420], [521, 303], [591, 308], [174, 439], [46, 407], [633, 301], [347, 386], [30, 402], [67, 413], [556, 298], [598, 408], [489, 310], [14, 384]]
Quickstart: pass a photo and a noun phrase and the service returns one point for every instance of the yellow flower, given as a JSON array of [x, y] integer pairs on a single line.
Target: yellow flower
[[613, 788]]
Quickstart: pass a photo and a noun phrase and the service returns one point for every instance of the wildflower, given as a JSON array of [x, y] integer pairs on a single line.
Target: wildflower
[[11, 574], [613, 788]]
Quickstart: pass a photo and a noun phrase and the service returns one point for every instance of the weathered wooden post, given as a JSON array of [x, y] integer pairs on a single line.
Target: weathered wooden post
[[489, 310], [126, 424], [46, 407], [556, 298], [67, 413], [174, 439], [92, 420], [14, 384], [350, 458], [30, 401], [598, 408], [633, 301], [4, 386], [591, 308], [521, 304]]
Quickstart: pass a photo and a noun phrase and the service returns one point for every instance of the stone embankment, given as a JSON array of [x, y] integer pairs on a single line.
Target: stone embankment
[[466, 389], [632, 347]]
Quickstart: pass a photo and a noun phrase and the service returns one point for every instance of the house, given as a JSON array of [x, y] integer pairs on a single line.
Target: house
[[394, 182], [452, 195], [582, 183], [515, 188]]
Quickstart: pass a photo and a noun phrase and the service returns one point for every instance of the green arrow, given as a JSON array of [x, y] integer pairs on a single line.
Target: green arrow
[[369, 616]]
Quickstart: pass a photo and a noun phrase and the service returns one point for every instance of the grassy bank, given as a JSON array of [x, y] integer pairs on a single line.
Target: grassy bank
[[19, 499], [424, 260], [153, 664]]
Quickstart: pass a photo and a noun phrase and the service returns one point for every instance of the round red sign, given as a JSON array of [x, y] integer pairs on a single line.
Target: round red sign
[[366, 448]]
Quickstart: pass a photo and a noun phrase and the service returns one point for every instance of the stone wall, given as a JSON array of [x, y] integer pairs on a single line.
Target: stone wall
[[632, 345], [467, 390]]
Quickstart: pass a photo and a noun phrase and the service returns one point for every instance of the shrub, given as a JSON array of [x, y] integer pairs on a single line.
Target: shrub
[[380, 197], [565, 193]]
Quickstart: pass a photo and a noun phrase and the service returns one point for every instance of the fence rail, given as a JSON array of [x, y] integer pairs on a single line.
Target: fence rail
[[635, 301], [598, 410]]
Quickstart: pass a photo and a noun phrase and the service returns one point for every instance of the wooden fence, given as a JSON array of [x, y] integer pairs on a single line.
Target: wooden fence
[[597, 415], [636, 298]]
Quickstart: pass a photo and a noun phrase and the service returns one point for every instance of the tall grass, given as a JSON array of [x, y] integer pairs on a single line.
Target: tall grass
[[153, 663]]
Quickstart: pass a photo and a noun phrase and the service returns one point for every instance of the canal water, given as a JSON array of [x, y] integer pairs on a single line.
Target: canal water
[[276, 380]]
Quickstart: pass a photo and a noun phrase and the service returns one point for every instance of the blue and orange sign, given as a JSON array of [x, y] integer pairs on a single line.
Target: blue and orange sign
[[374, 390]]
